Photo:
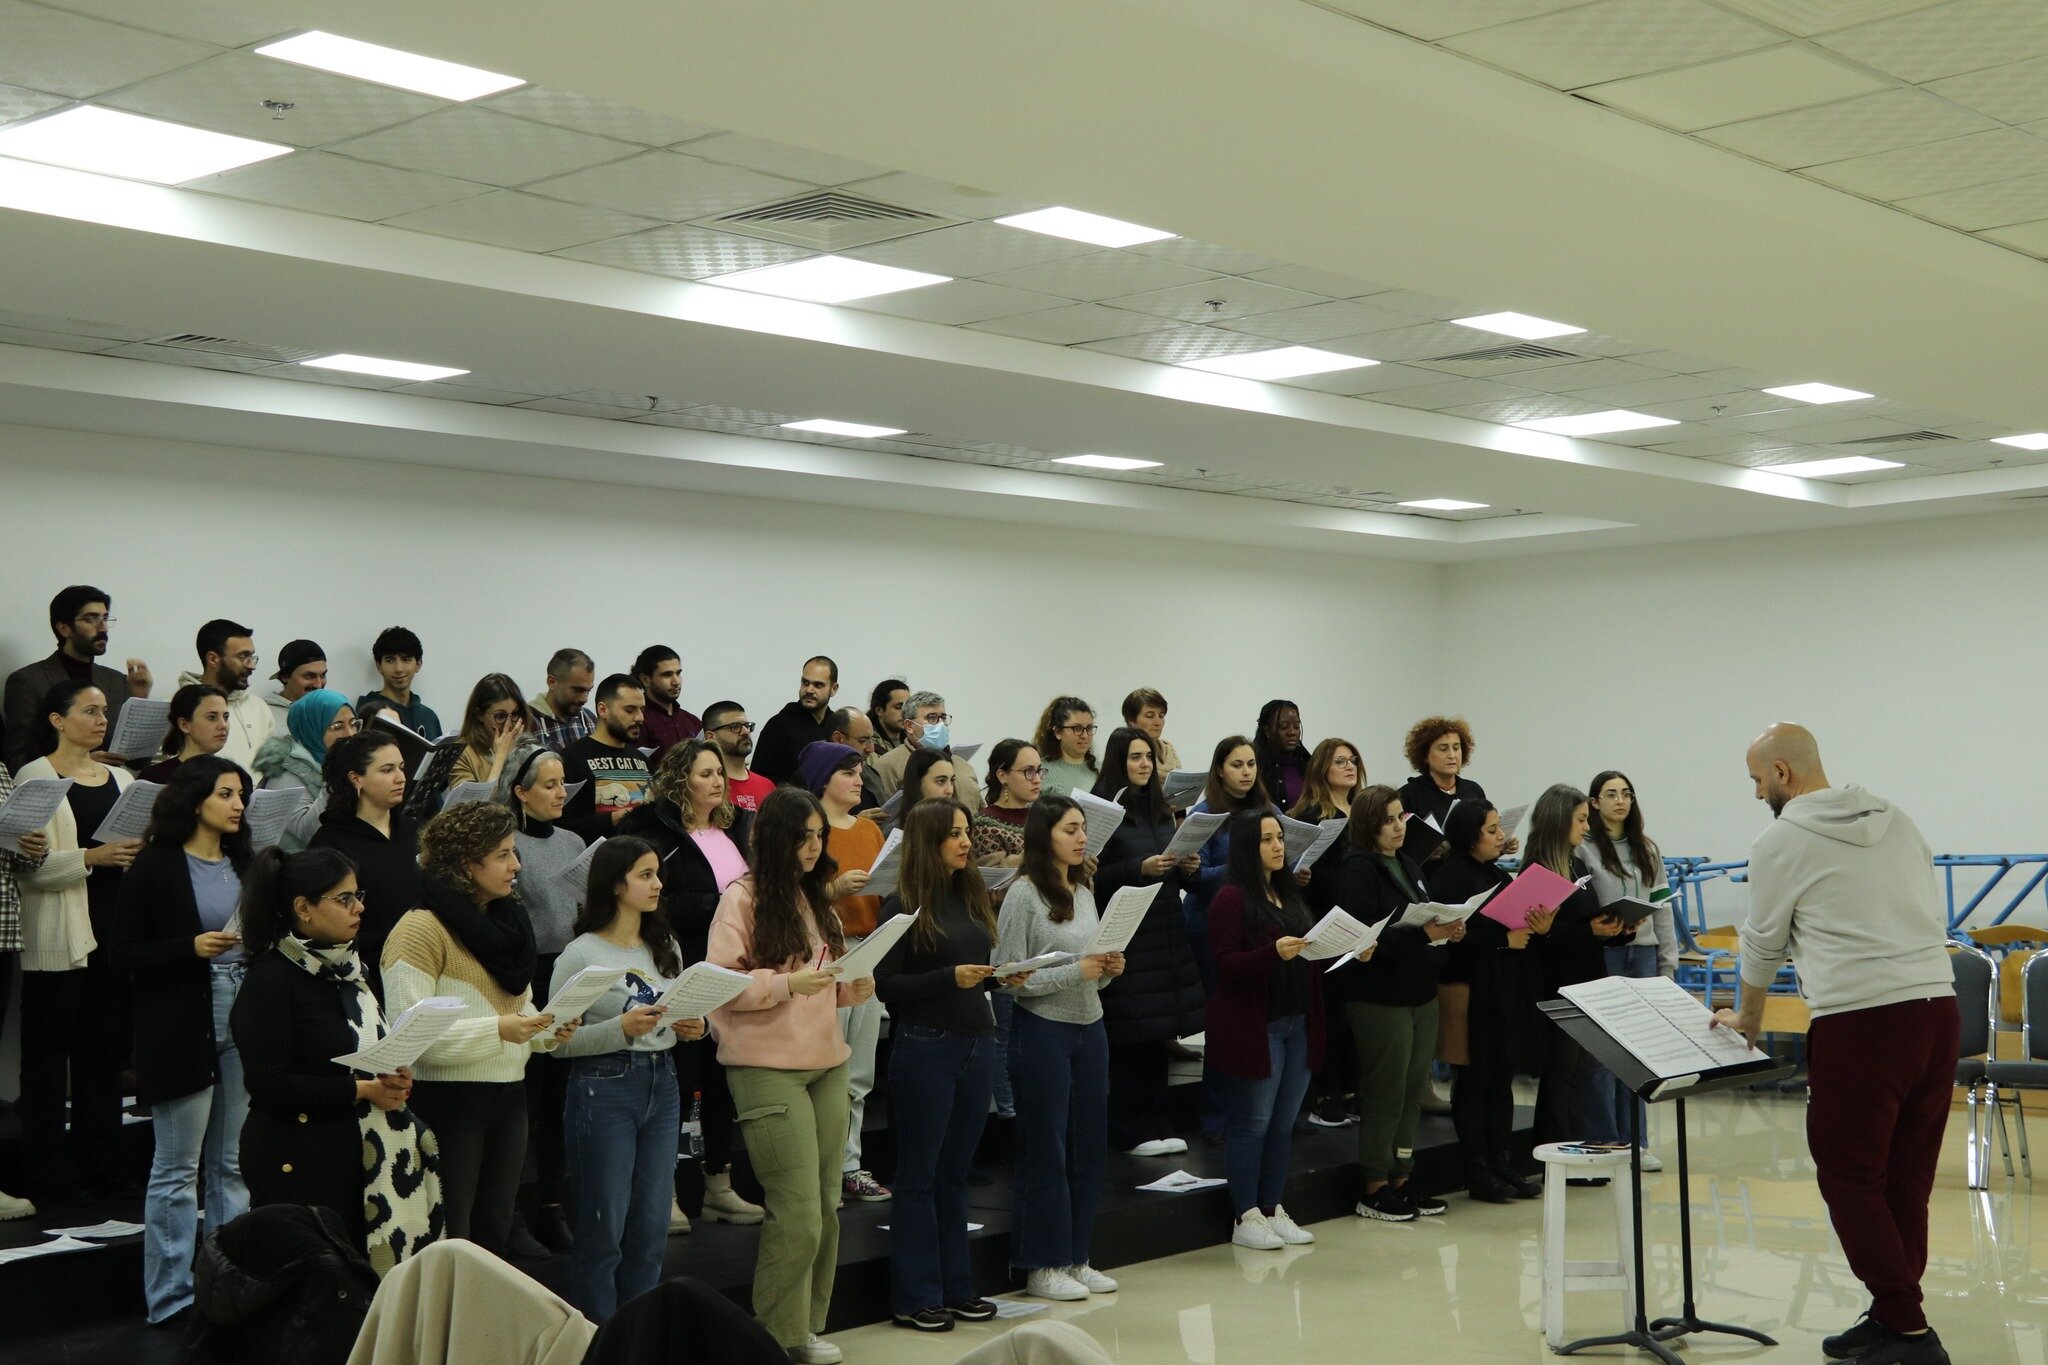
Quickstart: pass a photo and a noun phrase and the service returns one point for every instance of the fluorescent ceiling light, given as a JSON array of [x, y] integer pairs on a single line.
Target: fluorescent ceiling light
[[388, 66], [1077, 226], [1119, 462], [2037, 440], [829, 427], [1828, 469], [109, 142], [1596, 423], [1519, 325], [1818, 393], [828, 279], [1287, 362], [1444, 505], [387, 369]]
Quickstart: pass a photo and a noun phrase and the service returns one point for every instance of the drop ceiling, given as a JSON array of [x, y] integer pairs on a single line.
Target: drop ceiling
[[575, 210]]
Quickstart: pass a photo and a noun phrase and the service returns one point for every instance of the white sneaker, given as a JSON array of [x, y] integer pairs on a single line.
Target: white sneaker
[[1255, 1232], [1291, 1232], [1053, 1282], [1650, 1161], [1091, 1279], [1157, 1147], [1175, 1146], [817, 1351]]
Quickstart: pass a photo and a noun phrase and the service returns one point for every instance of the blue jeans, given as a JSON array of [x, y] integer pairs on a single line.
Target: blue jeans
[[201, 1128], [1260, 1138], [1606, 1099], [1061, 1074], [940, 1082], [621, 1123], [1005, 1007]]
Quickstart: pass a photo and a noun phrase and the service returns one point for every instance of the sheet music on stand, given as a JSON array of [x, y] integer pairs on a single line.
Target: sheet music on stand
[[1663, 1027]]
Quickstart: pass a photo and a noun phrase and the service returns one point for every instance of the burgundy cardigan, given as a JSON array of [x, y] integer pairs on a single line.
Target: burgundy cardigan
[[1236, 1014]]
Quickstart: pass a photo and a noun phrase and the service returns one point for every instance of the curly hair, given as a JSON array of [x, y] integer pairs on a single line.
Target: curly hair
[[1428, 731], [671, 782], [461, 835]]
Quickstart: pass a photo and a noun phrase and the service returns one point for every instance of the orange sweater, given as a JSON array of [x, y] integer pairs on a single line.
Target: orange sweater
[[856, 846]]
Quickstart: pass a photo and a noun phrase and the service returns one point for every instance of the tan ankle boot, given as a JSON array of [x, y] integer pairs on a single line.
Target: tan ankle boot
[[678, 1221], [722, 1203]]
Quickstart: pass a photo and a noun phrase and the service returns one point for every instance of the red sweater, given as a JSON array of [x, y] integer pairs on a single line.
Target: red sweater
[[1237, 1012]]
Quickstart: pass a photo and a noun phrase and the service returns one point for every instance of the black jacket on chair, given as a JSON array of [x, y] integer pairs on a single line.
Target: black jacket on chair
[[156, 921], [682, 1322], [1159, 996], [278, 1286]]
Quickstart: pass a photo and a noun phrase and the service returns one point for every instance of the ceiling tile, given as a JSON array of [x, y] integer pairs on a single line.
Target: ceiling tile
[[1098, 275], [687, 252], [970, 249], [78, 327], [1600, 343], [1074, 324], [1947, 40], [718, 412], [478, 144], [192, 19], [1678, 362], [1590, 374], [226, 94], [1953, 164], [1751, 85], [936, 196], [1370, 380], [2031, 238], [2014, 93], [1217, 260], [1433, 19], [669, 186], [1215, 300], [1322, 282], [636, 402], [322, 183], [587, 114], [1847, 128], [1526, 409], [695, 422], [460, 394], [1425, 305], [2003, 204], [1610, 39], [1707, 408], [1176, 342], [17, 102], [1318, 322], [779, 158], [1456, 394], [68, 54], [1419, 342], [1713, 445], [529, 388], [54, 341], [1669, 389], [203, 360], [1850, 429], [523, 222], [571, 407], [959, 302]]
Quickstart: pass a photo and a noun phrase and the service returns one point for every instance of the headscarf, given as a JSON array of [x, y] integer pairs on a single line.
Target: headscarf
[[309, 718]]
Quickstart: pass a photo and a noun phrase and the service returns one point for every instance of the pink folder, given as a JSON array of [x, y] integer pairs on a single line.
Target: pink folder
[[1535, 888]]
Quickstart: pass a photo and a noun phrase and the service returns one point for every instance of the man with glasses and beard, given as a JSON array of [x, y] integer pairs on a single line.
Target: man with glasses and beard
[[608, 762], [80, 619], [726, 723], [227, 660]]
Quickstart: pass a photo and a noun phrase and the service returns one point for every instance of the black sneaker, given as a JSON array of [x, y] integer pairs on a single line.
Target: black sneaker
[[1331, 1113], [1893, 1349], [974, 1310], [1386, 1205], [1425, 1205], [523, 1245], [1848, 1345], [926, 1320], [1489, 1188], [1523, 1187]]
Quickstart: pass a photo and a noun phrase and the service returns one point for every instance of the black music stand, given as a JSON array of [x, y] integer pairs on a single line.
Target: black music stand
[[1646, 1335]]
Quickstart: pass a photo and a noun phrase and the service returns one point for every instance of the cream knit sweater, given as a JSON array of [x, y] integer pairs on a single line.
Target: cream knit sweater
[[422, 959], [56, 927]]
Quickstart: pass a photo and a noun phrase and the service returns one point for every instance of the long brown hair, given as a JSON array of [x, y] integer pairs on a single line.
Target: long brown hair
[[1550, 829], [1315, 782], [671, 781], [491, 689], [1641, 847], [1216, 796], [609, 867], [1053, 883], [1368, 813], [1148, 801], [782, 890], [928, 884]]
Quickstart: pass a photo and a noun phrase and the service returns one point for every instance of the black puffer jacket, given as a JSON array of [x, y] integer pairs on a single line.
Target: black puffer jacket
[[281, 1285], [1159, 996], [689, 891]]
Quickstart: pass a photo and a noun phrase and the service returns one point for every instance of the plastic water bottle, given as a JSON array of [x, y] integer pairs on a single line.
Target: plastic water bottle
[[692, 1147]]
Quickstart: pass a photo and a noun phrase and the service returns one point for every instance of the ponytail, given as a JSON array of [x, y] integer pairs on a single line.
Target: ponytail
[[273, 881]]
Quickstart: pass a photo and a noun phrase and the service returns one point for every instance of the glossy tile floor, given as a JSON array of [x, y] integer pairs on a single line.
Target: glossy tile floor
[[1465, 1287]]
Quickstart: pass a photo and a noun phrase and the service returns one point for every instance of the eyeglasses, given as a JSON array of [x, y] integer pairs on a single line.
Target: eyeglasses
[[1028, 773], [348, 900], [940, 719], [1079, 729], [96, 619], [351, 726], [745, 726], [247, 658]]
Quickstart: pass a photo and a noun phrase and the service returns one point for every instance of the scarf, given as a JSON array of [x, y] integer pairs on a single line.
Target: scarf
[[499, 935], [402, 1210], [308, 719]]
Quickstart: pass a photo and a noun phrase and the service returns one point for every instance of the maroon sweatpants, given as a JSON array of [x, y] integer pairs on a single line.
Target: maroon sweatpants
[[1880, 1084]]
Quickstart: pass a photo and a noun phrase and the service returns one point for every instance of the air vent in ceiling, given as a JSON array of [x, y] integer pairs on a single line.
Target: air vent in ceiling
[[829, 220], [1899, 438], [248, 350], [1522, 355]]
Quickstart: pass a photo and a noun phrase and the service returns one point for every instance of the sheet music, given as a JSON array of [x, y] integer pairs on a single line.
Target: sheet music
[[894, 805], [1194, 832], [1511, 819], [1035, 964], [270, 810], [1433, 912], [569, 791], [140, 730], [862, 961], [1103, 818], [581, 991], [704, 987], [1121, 918], [416, 1030], [464, 792], [1372, 937], [965, 751], [578, 872], [1327, 833], [1336, 934], [1667, 1030], [29, 807], [129, 819], [1184, 786], [888, 867]]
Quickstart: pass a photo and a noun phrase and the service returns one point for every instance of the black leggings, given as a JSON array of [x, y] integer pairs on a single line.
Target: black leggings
[[698, 1072], [1483, 1110], [71, 1043], [481, 1126]]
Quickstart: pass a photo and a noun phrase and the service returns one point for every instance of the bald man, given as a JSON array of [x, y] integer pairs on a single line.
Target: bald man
[[1843, 883]]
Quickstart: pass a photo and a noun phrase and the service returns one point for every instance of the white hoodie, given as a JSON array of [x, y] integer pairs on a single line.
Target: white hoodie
[[1843, 882], [248, 723]]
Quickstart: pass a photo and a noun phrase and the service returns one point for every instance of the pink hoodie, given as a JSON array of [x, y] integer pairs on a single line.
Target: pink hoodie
[[767, 1025]]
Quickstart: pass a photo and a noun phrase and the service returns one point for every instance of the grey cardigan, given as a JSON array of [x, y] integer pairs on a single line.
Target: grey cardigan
[[1025, 930], [1659, 931]]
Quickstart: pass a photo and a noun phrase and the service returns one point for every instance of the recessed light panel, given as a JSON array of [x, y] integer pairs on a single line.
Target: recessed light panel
[[2037, 440], [109, 142], [1597, 423], [1519, 325], [387, 66], [1118, 462], [1286, 362], [1445, 505], [1818, 393], [828, 279], [826, 426], [1092, 228], [386, 369], [1828, 469]]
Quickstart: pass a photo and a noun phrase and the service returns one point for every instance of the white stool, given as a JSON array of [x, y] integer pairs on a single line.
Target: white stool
[[1561, 1276]]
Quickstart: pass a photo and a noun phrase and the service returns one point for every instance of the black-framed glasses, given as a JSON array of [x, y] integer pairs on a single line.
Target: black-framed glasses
[[1080, 729], [348, 900], [943, 718], [100, 619], [744, 726], [1028, 773]]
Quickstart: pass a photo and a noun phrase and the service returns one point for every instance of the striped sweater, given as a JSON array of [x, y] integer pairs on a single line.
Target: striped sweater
[[422, 959]]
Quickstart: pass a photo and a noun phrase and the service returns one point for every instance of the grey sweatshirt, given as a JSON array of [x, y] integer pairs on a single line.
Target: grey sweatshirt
[[643, 985], [1843, 882], [1024, 931], [550, 902], [1658, 931]]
